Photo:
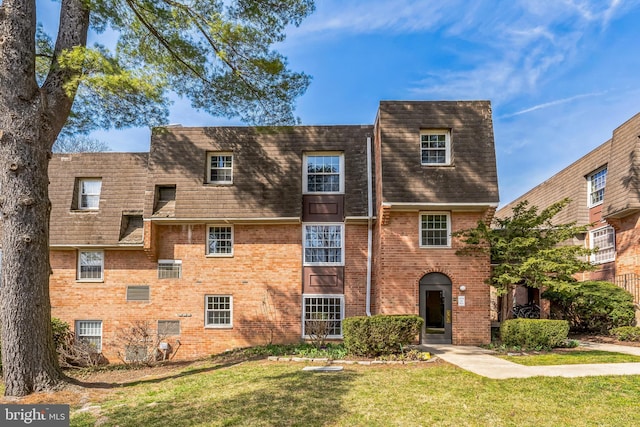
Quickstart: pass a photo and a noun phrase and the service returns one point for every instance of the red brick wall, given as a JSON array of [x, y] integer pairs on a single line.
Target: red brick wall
[[627, 247], [264, 277], [401, 263]]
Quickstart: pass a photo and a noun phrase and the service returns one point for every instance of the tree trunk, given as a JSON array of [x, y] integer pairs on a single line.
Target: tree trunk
[[506, 309], [30, 120], [29, 358]]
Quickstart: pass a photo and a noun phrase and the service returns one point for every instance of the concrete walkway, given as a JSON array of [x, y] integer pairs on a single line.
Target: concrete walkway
[[483, 362]]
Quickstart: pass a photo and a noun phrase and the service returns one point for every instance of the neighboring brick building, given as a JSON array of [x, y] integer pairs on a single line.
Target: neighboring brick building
[[236, 236], [604, 188]]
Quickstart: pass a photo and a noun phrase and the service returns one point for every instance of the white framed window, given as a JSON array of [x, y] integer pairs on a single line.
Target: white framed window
[[169, 268], [89, 193], [90, 332], [323, 244], [435, 147], [220, 168], [323, 173], [435, 229], [218, 311], [597, 182], [220, 240], [604, 240], [90, 265], [322, 315]]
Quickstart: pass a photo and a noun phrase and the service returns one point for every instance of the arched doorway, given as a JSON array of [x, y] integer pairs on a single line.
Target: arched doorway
[[435, 308]]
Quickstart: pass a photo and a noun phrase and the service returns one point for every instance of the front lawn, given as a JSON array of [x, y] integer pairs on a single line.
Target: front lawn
[[571, 357], [262, 393]]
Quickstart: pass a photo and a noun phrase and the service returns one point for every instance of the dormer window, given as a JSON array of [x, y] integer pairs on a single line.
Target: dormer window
[[89, 193], [220, 168], [597, 182], [323, 173], [435, 147]]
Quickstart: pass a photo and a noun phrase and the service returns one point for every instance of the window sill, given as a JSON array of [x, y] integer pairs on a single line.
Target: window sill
[[89, 280], [217, 184], [218, 326], [323, 264], [437, 165], [436, 247], [219, 255], [329, 337]]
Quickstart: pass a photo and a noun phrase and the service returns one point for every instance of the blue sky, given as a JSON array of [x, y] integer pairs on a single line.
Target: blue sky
[[561, 74]]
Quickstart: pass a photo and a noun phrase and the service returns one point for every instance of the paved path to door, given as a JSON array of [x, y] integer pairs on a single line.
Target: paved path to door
[[484, 362]]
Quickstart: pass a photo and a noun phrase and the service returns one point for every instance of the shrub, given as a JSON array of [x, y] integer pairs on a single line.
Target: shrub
[[594, 306], [534, 333], [626, 333], [380, 334]]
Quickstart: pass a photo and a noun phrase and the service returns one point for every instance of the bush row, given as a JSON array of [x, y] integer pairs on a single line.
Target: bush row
[[380, 334], [593, 306], [626, 333], [534, 333]]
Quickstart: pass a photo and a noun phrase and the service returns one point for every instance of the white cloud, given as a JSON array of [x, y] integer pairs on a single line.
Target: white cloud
[[553, 103]]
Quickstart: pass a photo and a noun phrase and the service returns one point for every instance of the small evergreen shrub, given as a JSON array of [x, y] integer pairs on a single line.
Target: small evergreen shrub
[[593, 306], [626, 333], [534, 333], [380, 334], [60, 331]]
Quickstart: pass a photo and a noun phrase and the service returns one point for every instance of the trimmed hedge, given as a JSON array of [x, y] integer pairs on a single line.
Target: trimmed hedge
[[594, 306], [380, 334], [626, 333], [534, 333]]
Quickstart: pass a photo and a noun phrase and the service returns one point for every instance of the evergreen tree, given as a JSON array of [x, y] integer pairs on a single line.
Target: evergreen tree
[[217, 54], [528, 248]]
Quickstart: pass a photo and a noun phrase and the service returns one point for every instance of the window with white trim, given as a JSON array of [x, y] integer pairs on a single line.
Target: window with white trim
[[322, 315], [90, 332], [323, 244], [90, 265], [220, 168], [435, 147], [218, 311], [169, 268], [604, 241], [323, 173], [435, 229], [89, 193], [597, 182], [220, 240]]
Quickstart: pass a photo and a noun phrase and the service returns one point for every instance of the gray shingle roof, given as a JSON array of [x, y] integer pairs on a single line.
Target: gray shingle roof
[[267, 169], [123, 177], [621, 156], [472, 175]]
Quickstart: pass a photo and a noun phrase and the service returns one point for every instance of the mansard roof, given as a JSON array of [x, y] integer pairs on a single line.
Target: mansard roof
[[620, 155], [267, 169], [123, 177], [470, 178]]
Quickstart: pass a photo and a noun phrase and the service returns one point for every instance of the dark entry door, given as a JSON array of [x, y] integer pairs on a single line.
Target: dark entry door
[[435, 308]]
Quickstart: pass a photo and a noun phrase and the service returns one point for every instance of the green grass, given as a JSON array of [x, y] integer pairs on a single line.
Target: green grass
[[573, 357], [260, 393]]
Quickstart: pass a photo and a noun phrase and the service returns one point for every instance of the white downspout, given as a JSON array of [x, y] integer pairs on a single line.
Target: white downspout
[[370, 226]]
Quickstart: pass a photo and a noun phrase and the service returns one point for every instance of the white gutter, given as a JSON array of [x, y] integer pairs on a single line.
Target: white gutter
[[369, 226]]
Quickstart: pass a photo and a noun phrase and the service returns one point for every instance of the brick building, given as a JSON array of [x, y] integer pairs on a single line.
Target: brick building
[[235, 236], [604, 188]]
